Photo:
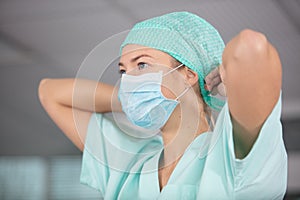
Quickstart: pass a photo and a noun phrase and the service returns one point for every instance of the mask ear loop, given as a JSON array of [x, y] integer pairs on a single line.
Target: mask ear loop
[[183, 93], [172, 70]]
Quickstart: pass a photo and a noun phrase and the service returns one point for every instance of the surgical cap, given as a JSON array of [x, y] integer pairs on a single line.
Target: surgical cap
[[186, 37]]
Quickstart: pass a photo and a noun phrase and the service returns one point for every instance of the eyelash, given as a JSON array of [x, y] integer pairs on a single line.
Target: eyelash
[[123, 71], [141, 63]]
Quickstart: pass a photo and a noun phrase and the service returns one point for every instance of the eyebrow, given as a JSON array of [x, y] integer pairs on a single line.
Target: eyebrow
[[136, 58]]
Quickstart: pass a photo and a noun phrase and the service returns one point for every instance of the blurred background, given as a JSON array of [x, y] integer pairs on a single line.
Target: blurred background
[[43, 38]]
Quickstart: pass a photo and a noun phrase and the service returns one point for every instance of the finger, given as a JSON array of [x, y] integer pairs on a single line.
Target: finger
[[214, 91], [222, 89], [216, 81], [213, 83], [208, 87], [212, 75]]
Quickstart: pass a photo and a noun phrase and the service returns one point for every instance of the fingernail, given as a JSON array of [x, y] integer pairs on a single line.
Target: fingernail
[[206, 87]]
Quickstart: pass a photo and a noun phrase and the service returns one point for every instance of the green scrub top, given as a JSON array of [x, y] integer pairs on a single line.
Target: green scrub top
[[120, 166]]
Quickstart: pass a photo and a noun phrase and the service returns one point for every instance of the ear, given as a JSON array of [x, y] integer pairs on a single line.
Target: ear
[[191, 76]]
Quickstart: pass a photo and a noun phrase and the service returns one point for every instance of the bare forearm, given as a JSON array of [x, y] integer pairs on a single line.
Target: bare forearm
[[70, 103], [251, 72], [81, 94]]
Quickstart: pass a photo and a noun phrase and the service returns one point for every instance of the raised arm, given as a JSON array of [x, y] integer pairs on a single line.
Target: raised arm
[[71, 108], [251, 72]]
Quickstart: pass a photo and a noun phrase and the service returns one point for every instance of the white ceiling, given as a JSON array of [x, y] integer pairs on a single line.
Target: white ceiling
[[43, 38]]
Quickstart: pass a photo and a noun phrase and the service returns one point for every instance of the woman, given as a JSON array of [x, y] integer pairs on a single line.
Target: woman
[[170, 66]]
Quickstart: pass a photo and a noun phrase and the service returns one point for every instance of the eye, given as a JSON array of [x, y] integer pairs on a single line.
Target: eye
[[142, 65], [122, 71]]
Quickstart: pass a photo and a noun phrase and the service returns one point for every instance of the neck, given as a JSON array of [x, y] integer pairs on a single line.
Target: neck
[[185, 124]]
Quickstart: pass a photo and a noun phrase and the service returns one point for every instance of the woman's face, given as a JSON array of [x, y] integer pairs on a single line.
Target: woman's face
[[137, 60]]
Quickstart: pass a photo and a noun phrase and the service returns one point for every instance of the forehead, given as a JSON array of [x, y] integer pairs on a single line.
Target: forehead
[[132, 50]]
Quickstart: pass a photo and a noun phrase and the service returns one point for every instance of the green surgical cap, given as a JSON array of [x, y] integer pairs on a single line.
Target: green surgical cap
[[186, 37]]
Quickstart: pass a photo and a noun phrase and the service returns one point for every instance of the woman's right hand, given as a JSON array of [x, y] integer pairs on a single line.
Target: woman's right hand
[[70, 103]]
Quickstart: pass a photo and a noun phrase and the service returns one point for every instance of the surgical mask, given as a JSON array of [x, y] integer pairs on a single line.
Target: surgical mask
[[143, 102]]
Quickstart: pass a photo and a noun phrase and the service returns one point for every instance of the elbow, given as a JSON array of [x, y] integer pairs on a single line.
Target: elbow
[[253, 54], [251, 44], [42, 91], [250, 61], [256, 40], [260, 53]]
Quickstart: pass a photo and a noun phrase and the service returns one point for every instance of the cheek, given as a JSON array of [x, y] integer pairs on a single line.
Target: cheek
[[167, 93]]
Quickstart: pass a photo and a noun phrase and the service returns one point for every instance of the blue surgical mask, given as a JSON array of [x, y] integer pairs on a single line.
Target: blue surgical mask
[[143, 102]]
